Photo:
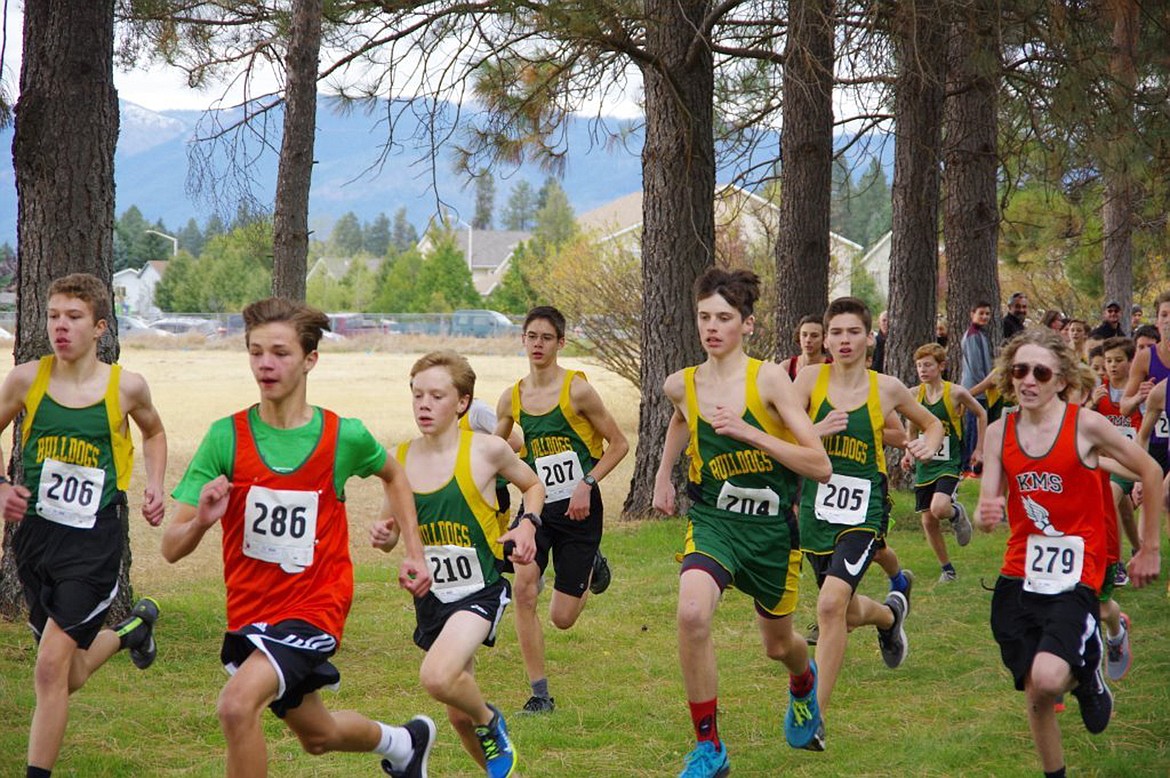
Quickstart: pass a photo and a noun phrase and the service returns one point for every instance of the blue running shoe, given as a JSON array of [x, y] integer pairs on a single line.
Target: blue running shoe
[[802, 723], [497, 746], [707, 761]]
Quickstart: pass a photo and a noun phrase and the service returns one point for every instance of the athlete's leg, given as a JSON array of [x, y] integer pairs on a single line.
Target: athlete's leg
[[887, 560], [1050, 677], [565, 609], [933, 530], [56, 654], [321, 731], [465, 728], [445, 669], [240, 707], [839, 611], [1124, 508], [529, 631], [1111, 617], [783, 644], [698, 595]]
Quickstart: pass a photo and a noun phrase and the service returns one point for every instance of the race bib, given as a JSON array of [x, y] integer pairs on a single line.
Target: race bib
[[749, 502], [455, 572], [1162, 426], [280, 526], [1053, 565], [843, 500], [70, 494], [560, 474], [1129, 432], [944, 451]]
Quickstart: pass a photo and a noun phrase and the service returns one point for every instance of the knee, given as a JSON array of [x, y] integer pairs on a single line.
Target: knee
[[930, 520], [694, 621], [524, 595], [436, 681], [780, 649], [52, 673], [1048, 683], [315, 743], [233, 712], [831, 608], [564, 619]]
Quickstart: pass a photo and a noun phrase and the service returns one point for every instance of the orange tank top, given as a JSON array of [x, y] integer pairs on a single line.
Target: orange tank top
[[286, 538], [1057, 530]]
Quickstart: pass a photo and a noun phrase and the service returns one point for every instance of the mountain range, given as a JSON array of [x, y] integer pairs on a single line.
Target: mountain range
[[359, 167]]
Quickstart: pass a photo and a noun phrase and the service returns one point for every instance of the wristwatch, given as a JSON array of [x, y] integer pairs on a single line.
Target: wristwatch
[[589, 479], [535, 519]]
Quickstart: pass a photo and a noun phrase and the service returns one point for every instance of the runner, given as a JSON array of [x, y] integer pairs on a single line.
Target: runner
[[745, 457], [1106, 400], [76, 457], [936, 481], [810, 337], [273, 475], [842, 521], [453, 472], [1152, 367], [1044, 612], [565, 425]]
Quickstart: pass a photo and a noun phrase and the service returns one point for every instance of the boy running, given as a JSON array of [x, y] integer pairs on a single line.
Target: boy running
[[1151, 367], [843, 521], [273, 476], [1039, 462], [572, 442], [936, 481], [453, 473], [76, 455], [748, 441]]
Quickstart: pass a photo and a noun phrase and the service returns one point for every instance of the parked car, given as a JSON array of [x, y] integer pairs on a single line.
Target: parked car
[[482, 324], [347, 325], [133, 327], [184, 325]]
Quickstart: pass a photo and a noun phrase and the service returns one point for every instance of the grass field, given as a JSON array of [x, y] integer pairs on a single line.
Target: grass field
[[950, 710]]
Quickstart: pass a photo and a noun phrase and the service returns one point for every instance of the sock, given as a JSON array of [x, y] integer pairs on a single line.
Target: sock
[[37, 772], [540, 689], [1055, 773], [948, 568], [703, 717], [801, 685], [898, 583], [396, 744], [1115, 640]]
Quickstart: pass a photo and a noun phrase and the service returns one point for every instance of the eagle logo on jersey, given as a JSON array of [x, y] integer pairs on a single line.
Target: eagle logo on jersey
[[1039, 516]]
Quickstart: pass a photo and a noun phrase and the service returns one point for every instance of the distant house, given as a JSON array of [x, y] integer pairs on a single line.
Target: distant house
[[488, 253], [875, 262], [750, 217], [335, 268], [134, 288]]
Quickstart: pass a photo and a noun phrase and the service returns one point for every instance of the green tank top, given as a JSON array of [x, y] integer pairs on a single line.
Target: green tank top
[[730, 479], [460, 530], [560, 445], [946, 460], [855, 497], [75, 461]]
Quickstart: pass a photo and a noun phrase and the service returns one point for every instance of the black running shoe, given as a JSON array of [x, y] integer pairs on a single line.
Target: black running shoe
[[601, 574], [136, 632], [1096, 703], [539, 705], [892, 641], [422, 739]]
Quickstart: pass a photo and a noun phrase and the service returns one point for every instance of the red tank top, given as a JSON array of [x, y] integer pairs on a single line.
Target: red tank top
[[286, 538], [1129, 425], [1054, 511], [1112, 534]]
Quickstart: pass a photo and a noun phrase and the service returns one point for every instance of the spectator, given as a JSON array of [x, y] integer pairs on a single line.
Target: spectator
[[1077, 333], [1145, 336], [1054, 320], [978, 359], [1110, 326], [879, 342], [1135, 317], [1014, 319]]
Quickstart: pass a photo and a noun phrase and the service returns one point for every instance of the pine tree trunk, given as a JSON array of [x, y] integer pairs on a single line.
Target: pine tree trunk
[[920, 34], [63, 155], [678, 216], [802, 249], [971, 211], [1118, 208], [294, 175]]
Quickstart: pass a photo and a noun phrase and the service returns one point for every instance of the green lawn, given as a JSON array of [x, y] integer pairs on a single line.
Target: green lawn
[[950, 710]]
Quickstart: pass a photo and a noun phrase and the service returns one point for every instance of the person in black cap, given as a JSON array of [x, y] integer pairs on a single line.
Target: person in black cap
[[1110, 326]]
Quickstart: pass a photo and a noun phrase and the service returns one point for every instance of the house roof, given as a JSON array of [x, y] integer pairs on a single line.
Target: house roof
[[489, 249]]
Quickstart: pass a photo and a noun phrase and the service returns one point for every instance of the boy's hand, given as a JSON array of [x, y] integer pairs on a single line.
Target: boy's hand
[[14, 499]]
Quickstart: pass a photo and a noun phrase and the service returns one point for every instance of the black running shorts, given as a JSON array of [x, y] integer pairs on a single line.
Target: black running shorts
[[298, 651], [431, 614], [572, 544]]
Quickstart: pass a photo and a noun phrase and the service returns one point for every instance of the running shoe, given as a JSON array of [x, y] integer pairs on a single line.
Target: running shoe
[[539, 705], [706, 761], [1121, 578], [601, 574], [892, 641], [803, 727], [1117, 654], [948, 576], [961, 524], [812, 634], [1096, 702], [136, 632], [422, 740], [905, 590], [1058, 706], [497, 746]]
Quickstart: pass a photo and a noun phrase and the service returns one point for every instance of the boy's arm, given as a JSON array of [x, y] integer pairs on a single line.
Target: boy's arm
[[992, 501], [1137, 386], [504, 420], [520, 475], [398, 512], [587, 402], [672, 448], [968, 401], [141, 409], [987, 382], [191, 522], [1155, 405], [921, 448], [14, 497]]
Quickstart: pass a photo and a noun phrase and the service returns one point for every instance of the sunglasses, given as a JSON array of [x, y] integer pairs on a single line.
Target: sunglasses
[[1043, 373]]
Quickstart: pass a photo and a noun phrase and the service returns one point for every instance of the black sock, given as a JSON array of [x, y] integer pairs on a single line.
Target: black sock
[[37, 772], [1055, 774]]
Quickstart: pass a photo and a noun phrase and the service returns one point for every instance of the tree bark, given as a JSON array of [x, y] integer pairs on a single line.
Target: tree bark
[[63, 155], [1117, 212], [970, 206], [806, 151], [920, 34], [290, 238], [678, 216]]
